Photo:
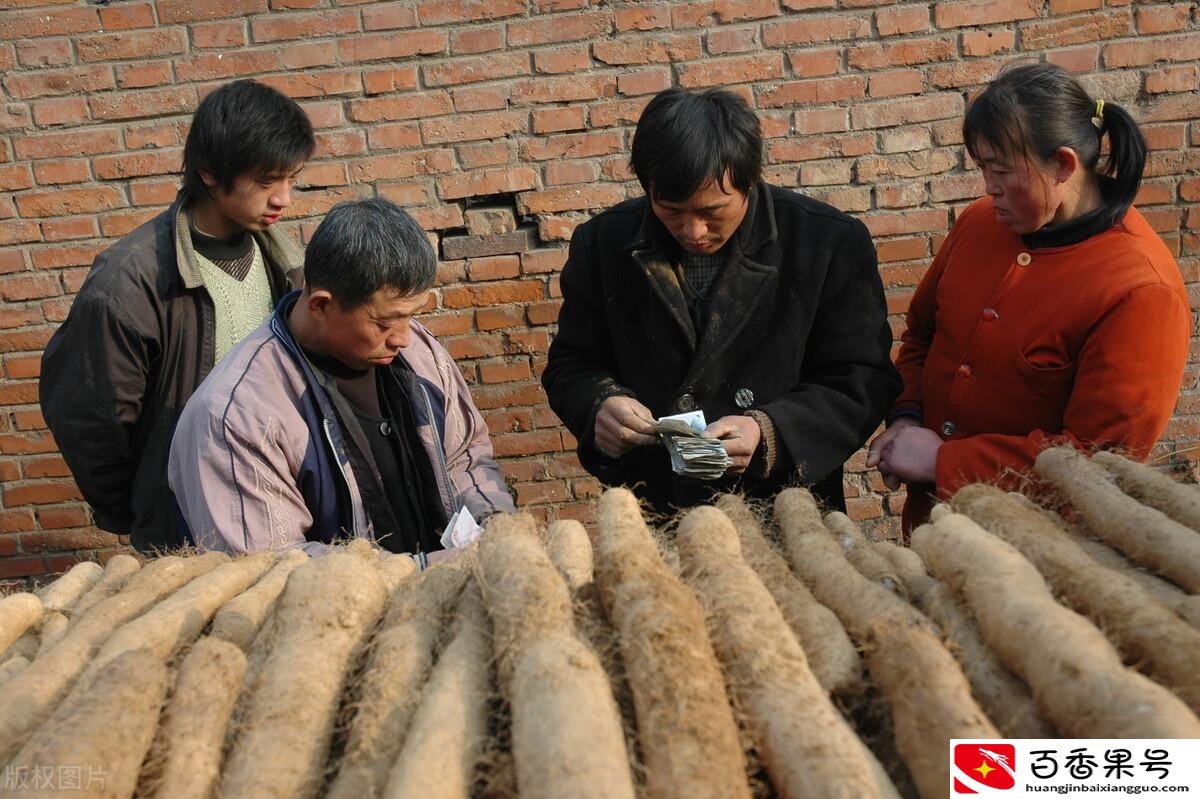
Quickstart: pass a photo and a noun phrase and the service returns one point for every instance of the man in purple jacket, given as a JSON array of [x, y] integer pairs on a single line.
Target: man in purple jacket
[[341, 416]]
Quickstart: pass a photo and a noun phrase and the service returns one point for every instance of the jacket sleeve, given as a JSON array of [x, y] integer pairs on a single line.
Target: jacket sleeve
[[919, 327], [234, 481], [849, 381], [478, 482], [94, 376], [581, 366], [1123, 395]]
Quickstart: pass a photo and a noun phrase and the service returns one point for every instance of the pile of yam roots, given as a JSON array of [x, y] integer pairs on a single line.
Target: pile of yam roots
[[735, 651]]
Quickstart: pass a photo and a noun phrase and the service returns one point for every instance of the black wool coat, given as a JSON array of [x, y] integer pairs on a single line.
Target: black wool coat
[[795, 323]]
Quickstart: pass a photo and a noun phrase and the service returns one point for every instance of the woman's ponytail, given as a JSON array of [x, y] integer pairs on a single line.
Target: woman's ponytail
[[1126, 158]]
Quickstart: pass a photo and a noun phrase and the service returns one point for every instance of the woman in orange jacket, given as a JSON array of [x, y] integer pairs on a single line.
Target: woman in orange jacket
[[1052, 313]]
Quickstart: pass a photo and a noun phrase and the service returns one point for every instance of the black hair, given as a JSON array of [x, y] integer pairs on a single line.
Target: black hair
[[685, 140], [1033, 109], [363, 246], [243, 128]]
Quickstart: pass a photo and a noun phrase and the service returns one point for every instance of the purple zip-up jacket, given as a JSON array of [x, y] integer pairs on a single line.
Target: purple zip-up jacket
[[259, 460]]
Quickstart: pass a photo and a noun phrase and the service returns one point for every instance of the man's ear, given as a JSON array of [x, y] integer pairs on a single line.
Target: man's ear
[[1066, 164], [206, 176], [319, 302]]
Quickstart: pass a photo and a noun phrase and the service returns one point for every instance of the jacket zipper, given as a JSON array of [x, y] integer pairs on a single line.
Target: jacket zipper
[[342, 472], [447, 495]]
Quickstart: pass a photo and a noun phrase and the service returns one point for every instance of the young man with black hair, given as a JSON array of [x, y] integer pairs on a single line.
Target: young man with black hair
[[717, 292], [169, 300], [340, 416]]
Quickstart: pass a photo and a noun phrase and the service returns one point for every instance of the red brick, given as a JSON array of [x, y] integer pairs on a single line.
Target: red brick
[[118, 224], [439, 12], [476, 40], [728, 71], [640, 50], [1140, 53], [213, 66], [985, 43], [496, 267], [60, 256], [570, 199], [13, 117], [739, 10], [1078, 59], [509, 444], [59, 82], [505, 371], [811, 63], [21, 567], [389, 16], [908, 222], [384, 81], [805, 30], [17, 231], [127, 16], [574, 145], [903, 19], [48, 22], [909, 51], [132, 105], [565, 89], [643, 18], [498, 293], [989, 12], [44, 52], [316, 84], [822, 121], [471, 70], [562, 59], [645, 81], [67, 228], [40, 494], [473, 127], [554, 120], [544, 260], [736, 40], [283, 27], [142, 76], [1046, 34], [1170, 79], [830, 90], [1163, 19], [69, 201], [1074, 6], [174, 11], [127, 46], [560, 28], [481, 183], [411, 106], [219, 35], [158, 192], [15, 177], [906, 111], [401, 136], [391, 45], [468, 99], [137, 165], [561, 173], [475, 156]]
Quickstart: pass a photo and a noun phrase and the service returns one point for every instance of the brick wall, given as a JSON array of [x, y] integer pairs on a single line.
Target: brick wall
[[504, 123]]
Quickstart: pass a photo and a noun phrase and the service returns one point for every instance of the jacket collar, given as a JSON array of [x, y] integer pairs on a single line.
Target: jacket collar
[[738, 289], [756, 231], [281, 253]]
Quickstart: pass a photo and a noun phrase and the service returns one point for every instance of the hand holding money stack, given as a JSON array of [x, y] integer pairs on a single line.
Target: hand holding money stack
[[692, 453]]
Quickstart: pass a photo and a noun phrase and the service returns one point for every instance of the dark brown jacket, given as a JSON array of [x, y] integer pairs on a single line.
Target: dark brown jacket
[[796, 320], [137, 342]]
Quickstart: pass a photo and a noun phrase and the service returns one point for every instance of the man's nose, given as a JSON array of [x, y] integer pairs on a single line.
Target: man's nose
[[694, 228], [283, 197], [398, 338]]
